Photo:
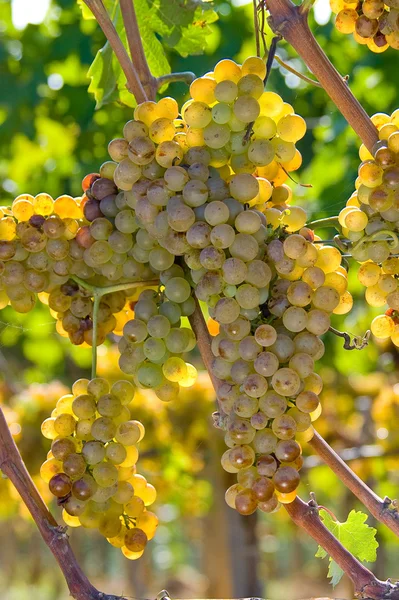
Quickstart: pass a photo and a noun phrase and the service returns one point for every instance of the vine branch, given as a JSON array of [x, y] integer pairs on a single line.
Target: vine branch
[[133, 79], [290, 22], [305, 516], [379, 508], [55, 537], [366, 584], [148, 81]]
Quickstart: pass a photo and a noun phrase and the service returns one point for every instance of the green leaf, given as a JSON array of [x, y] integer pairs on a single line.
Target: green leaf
[[153, 50], [108, 81], [355, 535], [182, 24], [334, 572], [103, 78], [86, 12], [179, 24]]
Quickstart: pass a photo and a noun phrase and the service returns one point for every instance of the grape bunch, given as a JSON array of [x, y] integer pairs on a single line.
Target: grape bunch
[[374, 23], [198, 201], [370, 221], [153, 342], [269, 392], [242, 127], [35, 237], [91, 467], [72, 306]]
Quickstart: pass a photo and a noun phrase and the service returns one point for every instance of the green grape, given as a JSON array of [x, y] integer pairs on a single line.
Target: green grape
[[149, 375], [93, 452], [177, 289], [174, 369]]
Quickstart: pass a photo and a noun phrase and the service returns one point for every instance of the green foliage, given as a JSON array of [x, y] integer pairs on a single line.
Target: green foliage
[[183, 26], [355, 535]]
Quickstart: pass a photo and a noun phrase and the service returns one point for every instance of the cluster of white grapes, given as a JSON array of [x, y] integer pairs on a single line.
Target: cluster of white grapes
[[198, 201], [269, 392], [154, 340], [371, 221], [35, 237], [91, 467]]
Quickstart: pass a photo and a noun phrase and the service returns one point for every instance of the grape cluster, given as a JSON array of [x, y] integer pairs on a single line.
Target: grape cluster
[[35, 237], [269, 393], [374, 23], [197, 200], [153, 342], [72, 306], [91, 467], [370, 221], [243, 127]]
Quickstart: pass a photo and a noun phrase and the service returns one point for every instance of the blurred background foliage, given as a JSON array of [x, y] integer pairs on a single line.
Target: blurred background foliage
[[50, 137]]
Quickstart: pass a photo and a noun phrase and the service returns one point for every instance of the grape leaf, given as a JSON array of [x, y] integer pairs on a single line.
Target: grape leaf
[[355, 535], [108, 82], [181, 24], [153, 50]]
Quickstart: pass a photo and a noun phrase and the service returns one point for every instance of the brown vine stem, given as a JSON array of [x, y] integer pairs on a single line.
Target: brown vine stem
[[379, 508], [55, 537], [149, 82], [291, 23], [133, 80], [365, 583], [200, 329]]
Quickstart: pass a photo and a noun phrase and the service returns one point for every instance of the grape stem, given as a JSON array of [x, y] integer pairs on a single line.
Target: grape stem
[[98, 293], [96, 307], [148, 81], [256, 26], [270, 57], [306, 515], [132, 76], [297, 73], [109, 289], [326, 223], [305, 7], [184, 77], [55, 537], [290, 21]]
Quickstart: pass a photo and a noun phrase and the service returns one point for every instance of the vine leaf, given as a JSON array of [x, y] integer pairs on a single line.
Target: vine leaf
[[182, 24], [108, 82], [355, 535], [179, 24]]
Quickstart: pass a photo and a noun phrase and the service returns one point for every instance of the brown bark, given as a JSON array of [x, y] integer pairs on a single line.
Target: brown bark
[[12, 465], [291, 23]]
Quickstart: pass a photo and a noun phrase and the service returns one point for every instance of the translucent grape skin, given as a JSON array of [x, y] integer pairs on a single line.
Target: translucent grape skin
[[89, 477], [209, 189]]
